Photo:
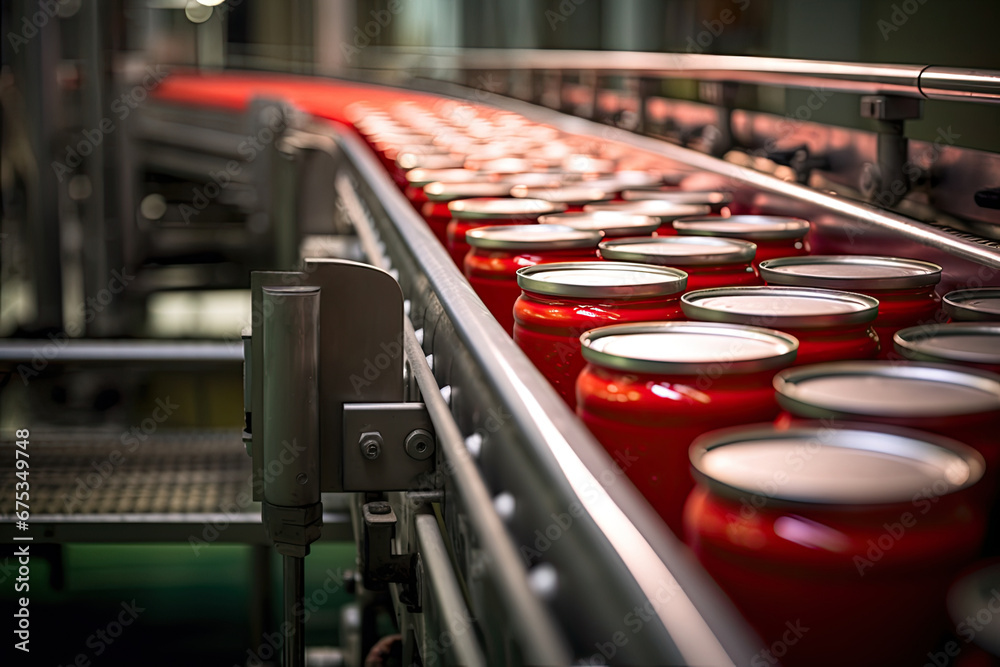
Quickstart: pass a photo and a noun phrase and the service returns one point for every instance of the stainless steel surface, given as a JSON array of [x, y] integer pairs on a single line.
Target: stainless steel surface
[[921, 81], [293, 590], [80, 351]]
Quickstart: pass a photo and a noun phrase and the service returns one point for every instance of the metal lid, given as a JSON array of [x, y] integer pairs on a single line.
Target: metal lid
[[582, 163], [569, 194], [628, 178], [540, 179], [601, 280], [610, 223], [447, 192], [421, 177], [749, 227], [663, 210], [859, 464], [679, 250], [429, 160], [982, 304], [964, 342], [688, 348], [485, 208], [796, 307], [709, 197], [886, 389], [850, 272], [531, 237], [505, 165]]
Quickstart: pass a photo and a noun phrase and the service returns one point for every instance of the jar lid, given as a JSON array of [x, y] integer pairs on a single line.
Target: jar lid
[[601, 280], [796, 307], [420, 177], [963, 342], [583, 164], [609, 223], [531, 237], [577, 195], [679, 250], [505, 165], [539, 179], [982, 304], [859, 464], [688, 348], [486, 208], [665, 211], [617, 181], [709, 197], [447, 192], [749, 227], [886, 389], [850, 272], [422, 159]]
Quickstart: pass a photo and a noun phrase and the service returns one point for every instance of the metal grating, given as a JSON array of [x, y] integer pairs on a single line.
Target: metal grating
[[82, 472]]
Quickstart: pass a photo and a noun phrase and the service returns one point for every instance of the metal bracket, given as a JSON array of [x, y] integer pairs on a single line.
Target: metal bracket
[[387, 446], [379, 566], [888, 181]]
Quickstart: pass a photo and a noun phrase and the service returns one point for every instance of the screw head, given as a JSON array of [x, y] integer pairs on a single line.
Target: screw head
[[420, 444], [371, 445]]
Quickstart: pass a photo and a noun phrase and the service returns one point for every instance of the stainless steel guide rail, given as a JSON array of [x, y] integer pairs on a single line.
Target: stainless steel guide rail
[[557, 573], [917, 81]]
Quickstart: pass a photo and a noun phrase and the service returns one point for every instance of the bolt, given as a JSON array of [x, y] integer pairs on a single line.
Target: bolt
[[301, 478], [420, 444], [371, 445]]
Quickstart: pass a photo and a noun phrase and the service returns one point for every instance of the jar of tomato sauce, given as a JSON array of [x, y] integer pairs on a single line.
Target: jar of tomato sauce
[[435, 210], [559, 302], [575, 196], [717, 200], [626, 179], [648, 390], [774, 236], [664, 211], [469, 214], [903, 287], [830, 325], [609, 224], [973, 305], [708, 262], [416, 179], [498, 252], [837, 544], [973, 344]]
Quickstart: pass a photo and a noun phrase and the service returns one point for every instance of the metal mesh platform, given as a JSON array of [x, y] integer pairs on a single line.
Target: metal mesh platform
[[103, 485]]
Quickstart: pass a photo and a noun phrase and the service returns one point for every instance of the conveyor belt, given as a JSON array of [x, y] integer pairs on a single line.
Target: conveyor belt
[[106, 485]]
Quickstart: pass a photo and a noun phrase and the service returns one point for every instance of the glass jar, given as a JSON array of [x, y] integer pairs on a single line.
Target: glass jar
[[608, 223], [664, 211], [416, 179], [836, 544], [973, 344], [559, 302], [774, 236], [717, 200], [648, 390], [973, 305], [830, 325], [497, 253], [435, 210], [575, 196], [469, 214], [903, 287], [708, 262]]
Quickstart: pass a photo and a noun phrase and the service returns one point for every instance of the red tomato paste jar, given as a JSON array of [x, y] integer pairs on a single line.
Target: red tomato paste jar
[[975, 344], [708, 262], [435, 210], [903, 287], [837, 544], [773, 235], [416, 179], [664, 211], [498, 252], [559, 302], [830, 325], [608, 223], [717, 200], [575, 196], [469, 214], [648, 390], [973, 305], [952, 401]]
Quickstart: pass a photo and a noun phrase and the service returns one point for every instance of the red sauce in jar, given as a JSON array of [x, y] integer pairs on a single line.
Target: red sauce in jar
[[664, 211], [708, 262], [435, 210], [609, 224], [774, 236], [559, 302], [469, 214], [416, 179], [575, 196]]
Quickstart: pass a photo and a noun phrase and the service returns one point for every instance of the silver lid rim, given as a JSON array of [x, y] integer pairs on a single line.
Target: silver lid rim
[[708, 197], [681, 210], [678, 283], [643, 223], [955, 305], [743, 252], [655, 367], [845, 436], [865, 315], [789, 395], [797, 228], [485, 237], [906, 341], [533, 209], [502, 190], [930, 273]]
